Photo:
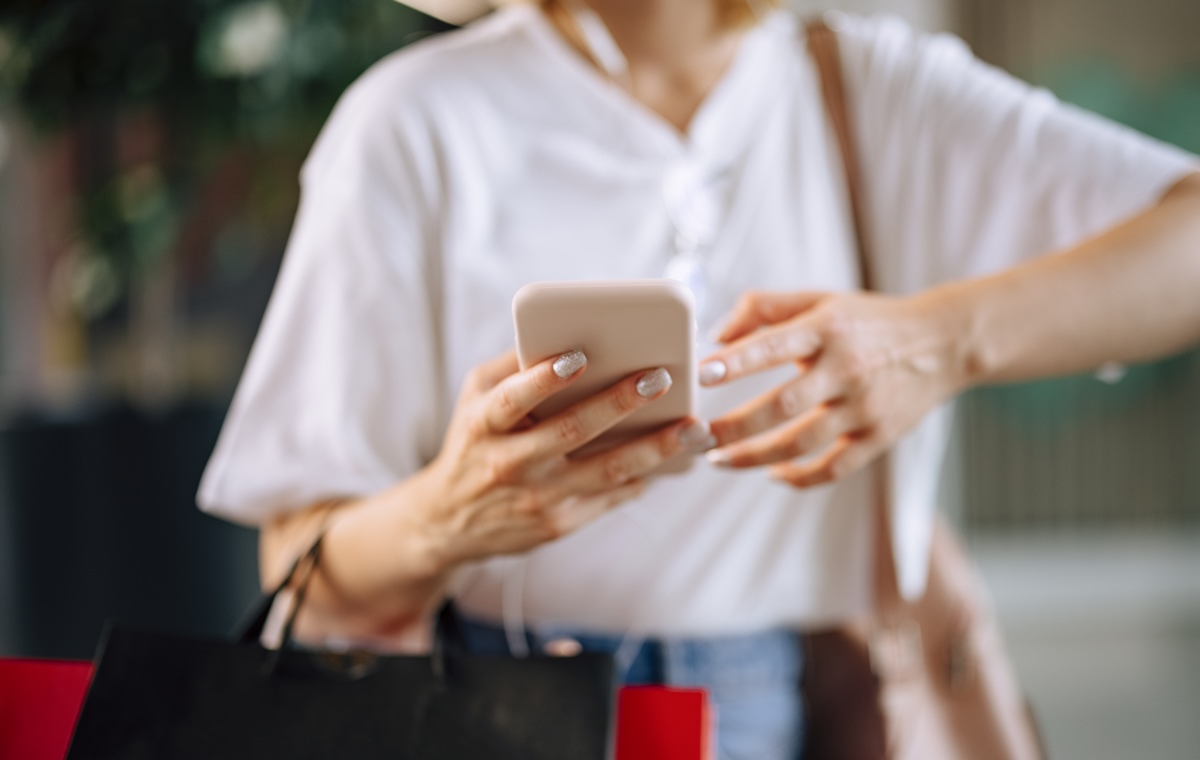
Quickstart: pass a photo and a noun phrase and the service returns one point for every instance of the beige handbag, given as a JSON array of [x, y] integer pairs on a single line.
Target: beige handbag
[[922, 680]]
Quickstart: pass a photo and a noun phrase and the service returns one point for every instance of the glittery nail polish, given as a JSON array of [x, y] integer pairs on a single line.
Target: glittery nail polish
[[569, 363], [653, 382]]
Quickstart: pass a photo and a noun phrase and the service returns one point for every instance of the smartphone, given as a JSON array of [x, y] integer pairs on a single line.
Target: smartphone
[[622, 326]]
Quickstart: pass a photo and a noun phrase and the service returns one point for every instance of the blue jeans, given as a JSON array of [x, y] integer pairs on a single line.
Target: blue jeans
[[753, 681]]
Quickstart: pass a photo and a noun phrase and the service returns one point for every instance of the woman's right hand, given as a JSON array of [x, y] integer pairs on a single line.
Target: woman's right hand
[[502, 484], [505, 482]]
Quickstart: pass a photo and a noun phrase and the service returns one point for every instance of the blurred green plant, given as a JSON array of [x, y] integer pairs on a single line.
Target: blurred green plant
[[1170, 111], [265, 69], [253, 77]]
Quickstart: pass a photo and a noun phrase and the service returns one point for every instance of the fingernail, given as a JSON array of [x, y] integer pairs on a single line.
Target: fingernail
[[653, 383], [719, 457], [780, 476], [563, 647], [697, 437], [569, 363], [713, 372]]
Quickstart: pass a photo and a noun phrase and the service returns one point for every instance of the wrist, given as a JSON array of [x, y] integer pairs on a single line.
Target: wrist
[[384, 548], [424, 548], [964, 356]]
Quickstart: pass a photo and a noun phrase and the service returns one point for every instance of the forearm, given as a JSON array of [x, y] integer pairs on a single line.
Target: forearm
[[1129, 295], [378, 575]]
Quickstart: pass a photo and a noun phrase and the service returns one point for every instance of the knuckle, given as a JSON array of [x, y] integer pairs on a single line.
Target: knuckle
[[614, 470], [474, 379], [530, 503], [813, 477], [879, 432], [626, 399], [569, 429], [820, 477], [823, 429], [550, 528], [502, 470], [869, 409], [726, 431], [472, 420], [505, 401], [834, 322], [667, 445], [774, 346], [792, 477], [748, 301], [543, 382], [786, 404], [798, 445], [840, 467], [855, 369]]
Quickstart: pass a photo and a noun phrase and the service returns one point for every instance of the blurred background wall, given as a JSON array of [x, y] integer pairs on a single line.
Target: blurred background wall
[[1082, 497], [148, 163], [149, 155]]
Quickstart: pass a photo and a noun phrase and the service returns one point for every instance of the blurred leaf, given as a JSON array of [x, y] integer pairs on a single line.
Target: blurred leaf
[[218, 76]]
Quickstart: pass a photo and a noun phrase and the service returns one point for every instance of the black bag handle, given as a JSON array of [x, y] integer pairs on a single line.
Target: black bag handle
[[448, 637], [251, 631], [301, 571]]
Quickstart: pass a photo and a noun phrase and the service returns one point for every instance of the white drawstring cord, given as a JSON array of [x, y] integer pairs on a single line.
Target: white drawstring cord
[[512, 598], [512, 605]]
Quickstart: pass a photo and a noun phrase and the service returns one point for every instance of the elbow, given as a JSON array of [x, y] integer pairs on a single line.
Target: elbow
[[1186, 190]]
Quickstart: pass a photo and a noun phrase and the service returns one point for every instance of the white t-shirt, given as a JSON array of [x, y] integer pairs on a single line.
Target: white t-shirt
[[461, 168]]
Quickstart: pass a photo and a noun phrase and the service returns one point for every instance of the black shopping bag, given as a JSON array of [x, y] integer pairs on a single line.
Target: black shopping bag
[[159, 696]]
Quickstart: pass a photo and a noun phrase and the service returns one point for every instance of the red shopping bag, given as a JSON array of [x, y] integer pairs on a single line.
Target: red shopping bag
[[39, 704], [662, 723]]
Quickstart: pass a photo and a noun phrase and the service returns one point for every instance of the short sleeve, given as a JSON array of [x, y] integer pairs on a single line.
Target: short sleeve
[[340, 396], [967, 170]]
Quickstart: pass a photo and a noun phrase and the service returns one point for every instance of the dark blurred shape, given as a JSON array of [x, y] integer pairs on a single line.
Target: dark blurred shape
[[1085, 453], [162, 92], [153, 150], [222, 63], [99, 521]]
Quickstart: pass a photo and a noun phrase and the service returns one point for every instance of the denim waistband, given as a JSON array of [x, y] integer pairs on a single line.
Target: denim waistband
[[753, 680], [754, 657]]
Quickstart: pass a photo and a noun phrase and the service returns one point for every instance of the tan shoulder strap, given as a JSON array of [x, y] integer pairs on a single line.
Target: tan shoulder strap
[[823, 47]]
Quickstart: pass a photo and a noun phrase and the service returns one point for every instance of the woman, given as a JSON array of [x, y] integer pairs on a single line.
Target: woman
[[621, 139]]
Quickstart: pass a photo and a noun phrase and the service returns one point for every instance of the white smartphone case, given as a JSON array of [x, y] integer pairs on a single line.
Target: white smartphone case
[[622, 327]]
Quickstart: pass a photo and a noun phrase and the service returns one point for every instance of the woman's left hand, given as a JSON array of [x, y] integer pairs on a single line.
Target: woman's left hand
[[869, 367]]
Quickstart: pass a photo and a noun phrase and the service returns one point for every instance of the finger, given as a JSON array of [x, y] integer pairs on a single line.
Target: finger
[[636, 459], [573, 513], [850, 454], [770, 347], [485, 376], [790, 400], [758, 308], [516, 395], [813, 431], [575, 426]]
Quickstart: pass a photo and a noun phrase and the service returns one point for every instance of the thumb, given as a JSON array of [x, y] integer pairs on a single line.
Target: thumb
[[758, 308]]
